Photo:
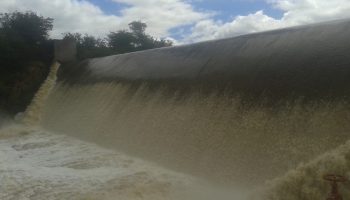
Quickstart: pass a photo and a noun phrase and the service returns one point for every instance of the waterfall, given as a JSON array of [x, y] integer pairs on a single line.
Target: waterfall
[[265, 112], [33, 113]]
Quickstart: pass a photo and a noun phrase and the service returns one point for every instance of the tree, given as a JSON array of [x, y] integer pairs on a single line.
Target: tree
[[85, 41], [138, 27], [77, 37], [135, 39], [25, 54], [28, 27], [162, 43], [121, 41], [23, 37], [124, 41], [88, 46]]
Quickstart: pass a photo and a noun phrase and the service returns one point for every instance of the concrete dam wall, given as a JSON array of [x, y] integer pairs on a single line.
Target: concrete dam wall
[[310, 61], [238, 111]]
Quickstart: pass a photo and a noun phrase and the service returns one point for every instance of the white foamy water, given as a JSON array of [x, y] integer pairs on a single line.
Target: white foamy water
[[35, 164], [210, 137], [38, 164]]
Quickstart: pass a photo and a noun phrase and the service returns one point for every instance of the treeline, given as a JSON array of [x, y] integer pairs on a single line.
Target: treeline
[[124, 41], [26, 52]]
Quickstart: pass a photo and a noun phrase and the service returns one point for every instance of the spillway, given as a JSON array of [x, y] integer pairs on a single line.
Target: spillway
[[240, 111]]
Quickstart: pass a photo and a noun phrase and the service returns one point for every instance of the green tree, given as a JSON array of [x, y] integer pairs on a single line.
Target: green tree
[[23, 37], [135, 39], [89, 46], [124, 41], [25, 54], [28, 27], [121, 41], [138, 27]]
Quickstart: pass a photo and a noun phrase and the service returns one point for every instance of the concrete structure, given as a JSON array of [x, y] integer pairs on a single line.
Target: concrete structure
[[307, 61], [65, 50], [237, 111]]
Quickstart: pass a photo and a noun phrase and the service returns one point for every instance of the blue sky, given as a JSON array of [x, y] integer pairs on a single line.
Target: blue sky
[[183, 21], [224, 10], [109, 7]]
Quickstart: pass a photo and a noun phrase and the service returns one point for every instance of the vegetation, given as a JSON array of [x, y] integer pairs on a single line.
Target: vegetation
[[124, 41], [88, 46], [26, 52]]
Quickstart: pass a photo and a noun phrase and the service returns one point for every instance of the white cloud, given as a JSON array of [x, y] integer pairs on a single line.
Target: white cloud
[[210, 29], [309, 11], [69, 15], [85, 17], [163, 15], [296, 12]]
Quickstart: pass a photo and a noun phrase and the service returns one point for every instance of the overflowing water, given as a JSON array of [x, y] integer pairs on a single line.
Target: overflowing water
[[260, 117], [36, 164], [32, 115], [208, 136], [39, 164]]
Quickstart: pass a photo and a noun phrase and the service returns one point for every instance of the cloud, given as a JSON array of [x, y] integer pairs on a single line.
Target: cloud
[[296, 12], [69, 15], [162, 16], [85, 17], [210, 29]]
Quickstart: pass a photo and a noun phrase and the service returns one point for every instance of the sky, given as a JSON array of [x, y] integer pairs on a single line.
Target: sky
[[183, 21]]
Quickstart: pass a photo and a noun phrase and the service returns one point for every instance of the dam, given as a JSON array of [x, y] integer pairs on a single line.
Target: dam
[[265, 111]]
